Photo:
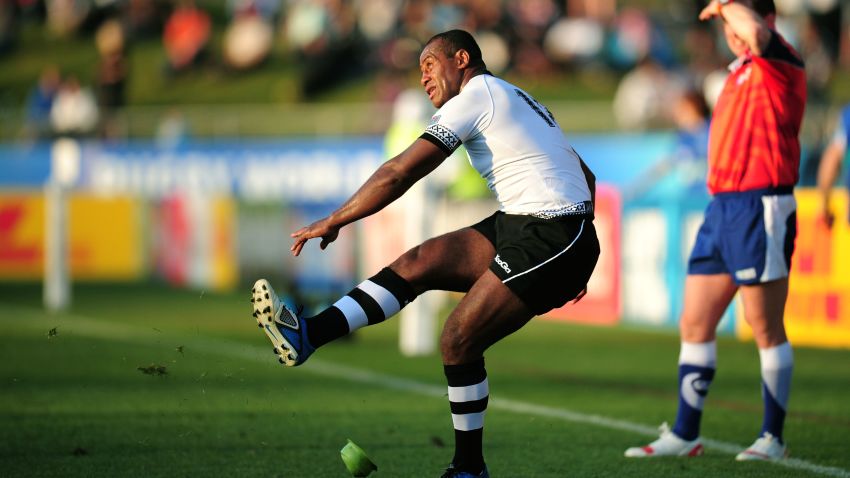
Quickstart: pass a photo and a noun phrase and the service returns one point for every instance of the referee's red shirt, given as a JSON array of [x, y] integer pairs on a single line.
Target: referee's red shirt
[[753, 140]]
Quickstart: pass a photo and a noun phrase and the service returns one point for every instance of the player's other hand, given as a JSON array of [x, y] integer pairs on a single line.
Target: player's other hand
[[579, 296], [826, 216], [710, 11], [321, 228]]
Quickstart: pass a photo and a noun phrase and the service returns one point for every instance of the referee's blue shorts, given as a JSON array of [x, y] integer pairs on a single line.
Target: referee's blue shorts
[[749, 235]]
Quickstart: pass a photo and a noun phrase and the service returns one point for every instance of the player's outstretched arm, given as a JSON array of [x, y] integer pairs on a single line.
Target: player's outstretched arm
[[385, 185], [830, 166], [748, 25]]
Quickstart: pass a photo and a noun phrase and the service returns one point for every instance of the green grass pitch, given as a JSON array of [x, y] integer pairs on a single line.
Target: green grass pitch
[[566, 400]]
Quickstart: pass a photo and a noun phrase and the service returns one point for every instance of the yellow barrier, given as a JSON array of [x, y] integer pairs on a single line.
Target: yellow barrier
[[225, 273], [818, 307], [104, 237]]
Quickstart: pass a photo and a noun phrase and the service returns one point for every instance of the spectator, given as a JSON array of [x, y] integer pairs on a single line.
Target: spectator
[[143, 18], [531, 19], [641, 96], [186, 35], [687, 158], [8, 26], [265, 9], [64, 17], [702, 54], [691, 116], [74, 112], [830, 165], [172, 132], [39, 103], [327, 41], [111, 76], [248, 39], [634, 38]]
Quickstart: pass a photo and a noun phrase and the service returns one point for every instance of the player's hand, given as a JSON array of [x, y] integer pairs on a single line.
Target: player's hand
[[321, 228], [710, 11], [579, 296], [827, 217]]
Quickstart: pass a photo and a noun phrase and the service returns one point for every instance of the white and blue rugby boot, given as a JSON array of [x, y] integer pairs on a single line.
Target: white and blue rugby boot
[[281, 323]]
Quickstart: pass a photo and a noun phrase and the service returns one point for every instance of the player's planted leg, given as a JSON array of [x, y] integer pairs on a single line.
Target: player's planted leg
[[468, 396], [488, 313]]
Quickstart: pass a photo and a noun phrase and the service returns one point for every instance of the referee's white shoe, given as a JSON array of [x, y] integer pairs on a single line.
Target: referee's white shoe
[[766, 447], [669, 444]]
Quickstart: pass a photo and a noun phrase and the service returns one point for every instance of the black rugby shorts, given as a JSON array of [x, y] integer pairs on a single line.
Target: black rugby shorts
[[545, 262]]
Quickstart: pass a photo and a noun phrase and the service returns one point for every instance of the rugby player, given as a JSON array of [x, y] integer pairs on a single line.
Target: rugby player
[[534, 254]]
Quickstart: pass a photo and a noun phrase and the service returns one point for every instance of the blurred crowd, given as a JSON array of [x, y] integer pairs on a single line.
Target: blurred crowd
[[658, 51]]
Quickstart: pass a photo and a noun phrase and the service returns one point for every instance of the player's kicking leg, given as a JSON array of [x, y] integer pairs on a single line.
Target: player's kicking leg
[[281, 323], [706, 298], [439, 263]]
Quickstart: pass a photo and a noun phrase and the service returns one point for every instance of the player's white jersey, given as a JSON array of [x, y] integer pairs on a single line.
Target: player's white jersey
[[516, 145]]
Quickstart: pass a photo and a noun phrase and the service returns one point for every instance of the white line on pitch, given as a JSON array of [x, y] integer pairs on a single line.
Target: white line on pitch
[[136, 334]]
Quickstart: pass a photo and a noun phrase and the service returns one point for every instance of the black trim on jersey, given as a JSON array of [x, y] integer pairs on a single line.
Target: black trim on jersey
[[433, 138], [776, 49]]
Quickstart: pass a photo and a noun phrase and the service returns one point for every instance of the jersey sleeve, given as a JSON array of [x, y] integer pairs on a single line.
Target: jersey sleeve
[[458, 121], [779, 58]]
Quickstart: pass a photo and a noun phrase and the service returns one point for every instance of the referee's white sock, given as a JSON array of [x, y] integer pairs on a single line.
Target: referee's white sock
[[777, 363], [697, 363]]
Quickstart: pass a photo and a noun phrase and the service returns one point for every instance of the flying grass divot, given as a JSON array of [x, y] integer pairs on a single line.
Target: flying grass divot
[[356, 461], [153, 369]]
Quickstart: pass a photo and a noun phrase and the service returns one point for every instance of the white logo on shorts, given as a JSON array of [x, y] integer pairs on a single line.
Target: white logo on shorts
[[504, 265], [746, 274]]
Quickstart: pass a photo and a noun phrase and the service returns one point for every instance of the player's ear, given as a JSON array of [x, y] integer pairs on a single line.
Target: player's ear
[[461, 59]]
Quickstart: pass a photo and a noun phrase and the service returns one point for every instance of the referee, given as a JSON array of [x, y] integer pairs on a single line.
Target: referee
[[747, 237]]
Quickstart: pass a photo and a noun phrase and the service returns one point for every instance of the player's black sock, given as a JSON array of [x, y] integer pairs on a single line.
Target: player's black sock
[[373, 301], [468, 395]]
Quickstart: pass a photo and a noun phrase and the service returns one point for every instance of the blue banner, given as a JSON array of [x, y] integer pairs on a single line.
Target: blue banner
[[302, 170]]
